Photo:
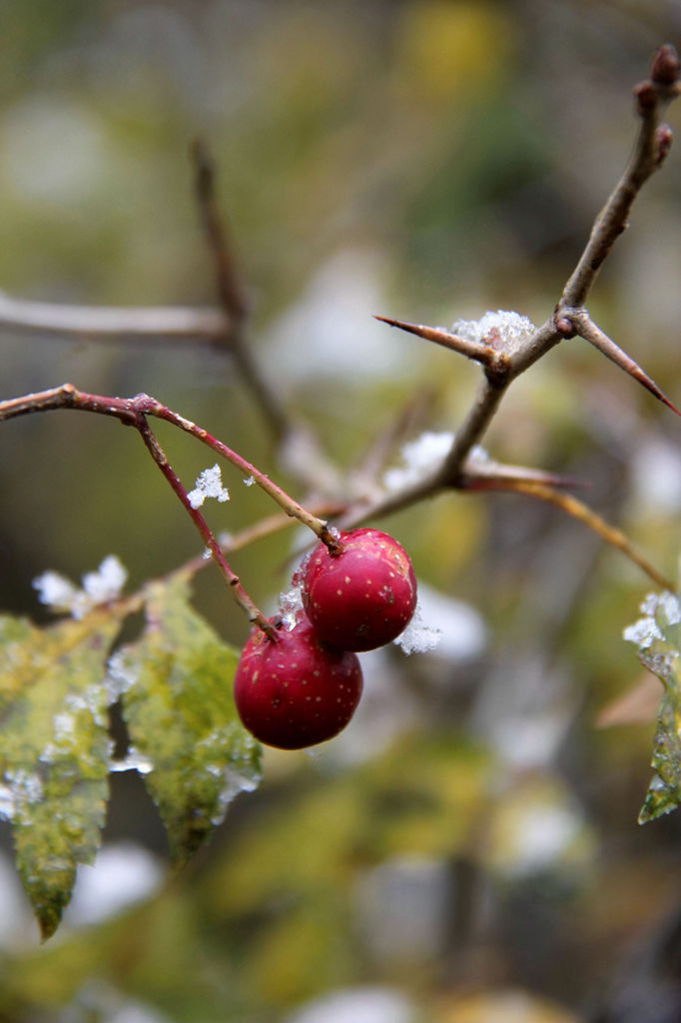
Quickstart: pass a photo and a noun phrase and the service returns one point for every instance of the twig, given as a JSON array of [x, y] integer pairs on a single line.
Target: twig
[[128, 411], [113, 323], [243, 599], [651, 147]]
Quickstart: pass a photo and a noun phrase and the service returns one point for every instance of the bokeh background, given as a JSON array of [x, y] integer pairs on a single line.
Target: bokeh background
[[467, 852]]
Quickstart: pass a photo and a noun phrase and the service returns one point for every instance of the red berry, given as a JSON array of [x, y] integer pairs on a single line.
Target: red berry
[[363, 597], [295, 691]]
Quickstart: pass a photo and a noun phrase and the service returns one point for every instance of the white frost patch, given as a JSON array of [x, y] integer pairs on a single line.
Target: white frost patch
[[503, 328], [133, 761], [646, 630], [123, 672], [99, 587], [418, 637], [56, 591], [451, 628], [121, 875], [208, 484], [420, 458], [249, 481], [291, 606]]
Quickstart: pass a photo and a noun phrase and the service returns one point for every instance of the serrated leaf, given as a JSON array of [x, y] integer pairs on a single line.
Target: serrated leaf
[[182, 721], [54, 757], [658, 636]]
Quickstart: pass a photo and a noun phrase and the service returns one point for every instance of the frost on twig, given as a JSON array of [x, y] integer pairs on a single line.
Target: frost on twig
[[502, 329], [208, 484], [422, 458], [61, 595]]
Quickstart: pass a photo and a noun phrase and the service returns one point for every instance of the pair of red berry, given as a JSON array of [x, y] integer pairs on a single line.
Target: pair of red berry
[[303, 687]]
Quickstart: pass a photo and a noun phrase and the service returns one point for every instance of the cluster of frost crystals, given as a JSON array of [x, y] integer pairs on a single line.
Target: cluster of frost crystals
[[99, 587], [419, 637], [123, 670], [239, 774], [133, 761], [659, 610], [420, 457], [22, 790], [208, 484], [658, 649], [503, 327], [291, 607]]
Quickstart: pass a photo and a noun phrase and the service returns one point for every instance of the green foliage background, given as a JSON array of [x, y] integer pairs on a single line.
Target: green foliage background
[[428, 160]]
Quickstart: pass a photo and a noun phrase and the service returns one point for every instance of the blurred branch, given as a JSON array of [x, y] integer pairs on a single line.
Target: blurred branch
[[299, 448], [112, 322], [580, 511]]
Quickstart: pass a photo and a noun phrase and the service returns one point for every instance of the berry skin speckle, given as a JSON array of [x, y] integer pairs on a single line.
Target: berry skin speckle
[[363, 597], [295, 691]]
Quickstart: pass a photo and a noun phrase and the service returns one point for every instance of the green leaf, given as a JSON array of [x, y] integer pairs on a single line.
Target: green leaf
[[183, 725], [54, 759], [658, 636]]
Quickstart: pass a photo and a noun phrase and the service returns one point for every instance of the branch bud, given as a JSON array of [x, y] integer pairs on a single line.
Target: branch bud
[[666, 66], [664, 138], [646, 96]]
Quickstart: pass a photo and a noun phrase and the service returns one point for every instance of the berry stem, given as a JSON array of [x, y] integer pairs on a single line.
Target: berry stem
[[241, 596]]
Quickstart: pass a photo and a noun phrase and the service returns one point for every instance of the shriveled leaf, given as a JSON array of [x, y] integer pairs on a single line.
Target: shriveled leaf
[[54, 755], [180, 712], [658, 637]]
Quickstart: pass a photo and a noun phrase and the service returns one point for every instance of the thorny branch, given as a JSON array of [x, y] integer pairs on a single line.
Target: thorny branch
[[501, 363], [569, 318]]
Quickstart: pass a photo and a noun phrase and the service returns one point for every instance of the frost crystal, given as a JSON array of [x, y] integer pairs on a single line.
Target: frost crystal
[[98, 587], [123, 672], [56, 591], [502, 328], [249, 481], [418, 637], [133, 761], [420, 457], [208, 484], [291, 605], [107, 582]]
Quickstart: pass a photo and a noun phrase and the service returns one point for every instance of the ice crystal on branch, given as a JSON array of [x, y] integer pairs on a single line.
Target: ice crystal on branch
[[502, 329], [420, 457], [208, 484]]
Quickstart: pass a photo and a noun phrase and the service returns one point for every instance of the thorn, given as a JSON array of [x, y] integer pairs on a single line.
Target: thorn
[[595, 336], [479, 352]]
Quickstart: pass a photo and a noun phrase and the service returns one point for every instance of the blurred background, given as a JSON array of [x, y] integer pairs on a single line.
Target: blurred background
[[467, 852]]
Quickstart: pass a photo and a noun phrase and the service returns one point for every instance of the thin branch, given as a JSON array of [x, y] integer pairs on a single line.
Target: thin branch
[[229, 288], [578, 510], [113, 323], [231, 293], [242, 597], [471, 431], [650, 149], [128, 411]]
